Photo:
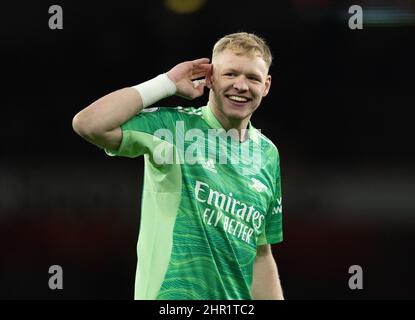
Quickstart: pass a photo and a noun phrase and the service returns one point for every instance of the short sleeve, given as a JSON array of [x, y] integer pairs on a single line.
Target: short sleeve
[[139, 133], [272, 232]]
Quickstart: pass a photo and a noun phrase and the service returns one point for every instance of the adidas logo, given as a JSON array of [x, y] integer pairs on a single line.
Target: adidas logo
[[209, 165]]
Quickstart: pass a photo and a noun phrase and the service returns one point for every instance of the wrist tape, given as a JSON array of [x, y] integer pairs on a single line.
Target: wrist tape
[[155, 89]]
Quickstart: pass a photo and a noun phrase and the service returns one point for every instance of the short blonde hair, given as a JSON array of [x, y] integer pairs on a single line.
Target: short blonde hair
[[243, 43]]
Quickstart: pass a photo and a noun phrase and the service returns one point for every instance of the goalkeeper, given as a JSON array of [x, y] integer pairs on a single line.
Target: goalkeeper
[[211, 204]]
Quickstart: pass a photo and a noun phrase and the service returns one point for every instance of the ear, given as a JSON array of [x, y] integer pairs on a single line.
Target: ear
[[267, 85], [209, 77]]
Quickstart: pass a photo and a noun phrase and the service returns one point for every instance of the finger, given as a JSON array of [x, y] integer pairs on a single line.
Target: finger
[[203, 66], [209, 69], [209, 77], [199, 90], [201, 70], [200, 61]]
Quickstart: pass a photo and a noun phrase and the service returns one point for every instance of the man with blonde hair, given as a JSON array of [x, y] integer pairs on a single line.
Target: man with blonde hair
[[211, 204]]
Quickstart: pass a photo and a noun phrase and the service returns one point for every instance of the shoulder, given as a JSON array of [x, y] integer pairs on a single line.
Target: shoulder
[[271, 159], [270, 154], [178, 111], [267, 145], [168, 114], [191, 117], [188, 111]]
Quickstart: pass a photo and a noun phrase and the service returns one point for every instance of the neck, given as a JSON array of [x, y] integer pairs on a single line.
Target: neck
[[241, 125]]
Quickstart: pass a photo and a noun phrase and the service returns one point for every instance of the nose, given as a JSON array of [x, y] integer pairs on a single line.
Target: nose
[[240, 84]]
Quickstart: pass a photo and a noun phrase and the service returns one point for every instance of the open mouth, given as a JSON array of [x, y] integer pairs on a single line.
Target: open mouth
[[238, 100]]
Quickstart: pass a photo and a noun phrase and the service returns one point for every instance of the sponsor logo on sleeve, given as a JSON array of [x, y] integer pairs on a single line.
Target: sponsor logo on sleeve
[[278, 208]]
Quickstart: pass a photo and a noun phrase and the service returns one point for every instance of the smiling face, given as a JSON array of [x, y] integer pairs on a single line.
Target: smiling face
[[238, 83]]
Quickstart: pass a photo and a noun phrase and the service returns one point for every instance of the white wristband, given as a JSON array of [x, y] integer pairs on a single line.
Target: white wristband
[[156, 89]]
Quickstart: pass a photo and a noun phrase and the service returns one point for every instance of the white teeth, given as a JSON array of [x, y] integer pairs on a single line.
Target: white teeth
[[239, 99]]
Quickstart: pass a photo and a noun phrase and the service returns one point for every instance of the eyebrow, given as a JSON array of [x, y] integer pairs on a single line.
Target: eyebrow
[[236, 71]]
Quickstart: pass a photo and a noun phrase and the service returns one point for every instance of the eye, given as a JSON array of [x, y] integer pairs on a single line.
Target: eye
[[253, 78], [230, 74]]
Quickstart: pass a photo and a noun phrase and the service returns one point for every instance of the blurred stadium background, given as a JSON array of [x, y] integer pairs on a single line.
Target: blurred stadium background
[[339, 112]]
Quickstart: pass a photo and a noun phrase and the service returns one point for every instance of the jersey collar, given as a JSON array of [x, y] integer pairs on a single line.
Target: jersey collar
[[211, 120]]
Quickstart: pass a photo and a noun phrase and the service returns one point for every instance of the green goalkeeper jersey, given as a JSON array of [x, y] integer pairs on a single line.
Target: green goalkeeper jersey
[[208, 201]]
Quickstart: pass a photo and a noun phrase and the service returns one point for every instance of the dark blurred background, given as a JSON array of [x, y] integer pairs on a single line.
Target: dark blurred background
[[339, 112]]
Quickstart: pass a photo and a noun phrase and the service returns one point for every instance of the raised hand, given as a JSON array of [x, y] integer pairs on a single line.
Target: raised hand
[[185, 76]]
